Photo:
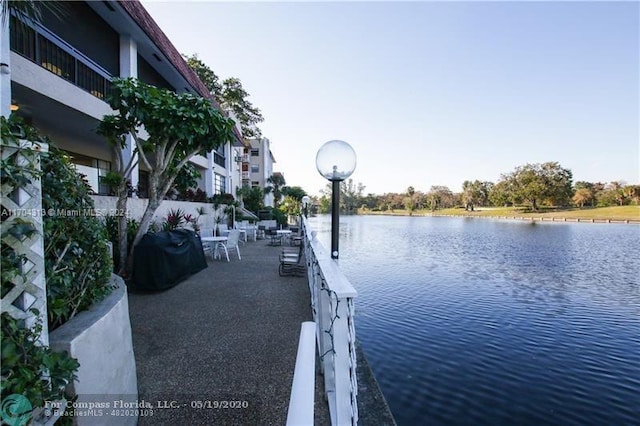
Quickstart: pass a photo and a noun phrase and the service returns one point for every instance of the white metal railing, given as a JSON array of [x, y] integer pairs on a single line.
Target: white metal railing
[[303, 388], [332, 298]]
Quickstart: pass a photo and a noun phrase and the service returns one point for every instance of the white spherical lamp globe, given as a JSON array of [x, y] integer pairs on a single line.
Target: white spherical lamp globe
[[336, 160]]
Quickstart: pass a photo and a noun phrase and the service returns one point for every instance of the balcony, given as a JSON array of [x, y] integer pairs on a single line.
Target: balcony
[[41, 46], [246, 176]]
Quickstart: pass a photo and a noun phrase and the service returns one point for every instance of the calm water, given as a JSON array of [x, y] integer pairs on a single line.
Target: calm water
[[487, 322]]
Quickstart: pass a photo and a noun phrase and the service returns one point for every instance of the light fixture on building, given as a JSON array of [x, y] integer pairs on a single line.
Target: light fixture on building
[[14, 107], [336, 161]]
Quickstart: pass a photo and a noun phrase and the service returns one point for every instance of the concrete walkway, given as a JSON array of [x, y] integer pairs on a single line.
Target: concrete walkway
[[227, 337], [228, 333]]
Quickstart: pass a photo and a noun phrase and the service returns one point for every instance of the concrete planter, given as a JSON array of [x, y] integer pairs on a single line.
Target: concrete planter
[[100, 338]]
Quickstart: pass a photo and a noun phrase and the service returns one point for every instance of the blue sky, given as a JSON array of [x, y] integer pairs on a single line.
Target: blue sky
[[430, 93]]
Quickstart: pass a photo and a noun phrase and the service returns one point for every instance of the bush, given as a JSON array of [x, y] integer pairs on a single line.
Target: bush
[[223, 199], [77, 261], [28, 368]]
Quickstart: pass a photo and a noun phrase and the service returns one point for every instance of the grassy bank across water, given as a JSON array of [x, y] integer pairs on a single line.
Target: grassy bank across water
[[597, 214]]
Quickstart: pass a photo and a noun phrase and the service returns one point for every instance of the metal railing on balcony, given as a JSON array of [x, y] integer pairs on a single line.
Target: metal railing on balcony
[[332, 297], [38, 44]]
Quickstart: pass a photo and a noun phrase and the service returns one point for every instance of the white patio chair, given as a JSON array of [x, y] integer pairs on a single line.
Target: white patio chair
[[207, 247], [232, 242], [223, 228]]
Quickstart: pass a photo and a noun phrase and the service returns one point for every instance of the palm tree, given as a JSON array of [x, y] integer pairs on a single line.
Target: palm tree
[[277, 184]]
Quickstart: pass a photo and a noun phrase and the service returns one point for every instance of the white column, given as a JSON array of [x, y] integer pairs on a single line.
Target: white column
[[129, 68], [229, 163], [208, 175], [5, 70]]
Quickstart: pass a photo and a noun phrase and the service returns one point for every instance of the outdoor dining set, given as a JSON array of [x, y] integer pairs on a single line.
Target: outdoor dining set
[[218, 242]]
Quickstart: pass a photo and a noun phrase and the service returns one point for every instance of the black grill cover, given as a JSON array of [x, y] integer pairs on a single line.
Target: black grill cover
[[164, 259]]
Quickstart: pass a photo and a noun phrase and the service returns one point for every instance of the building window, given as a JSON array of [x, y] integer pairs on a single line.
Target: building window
[[255, 152], [94, 171], [255, 184], [219, 159], [219, 184], [255, 168]]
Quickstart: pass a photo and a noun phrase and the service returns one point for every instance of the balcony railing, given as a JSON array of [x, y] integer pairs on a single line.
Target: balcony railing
[[39, 45], [246, 176], [332, 298]]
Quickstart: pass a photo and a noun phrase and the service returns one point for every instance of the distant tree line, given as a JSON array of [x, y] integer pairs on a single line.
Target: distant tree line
[[531, 185]]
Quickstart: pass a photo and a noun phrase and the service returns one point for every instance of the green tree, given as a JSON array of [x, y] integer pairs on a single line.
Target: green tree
[[295, 192], [632, 192], [253, 198], [409, 201], [582, 196], [350, 195], [179, 126], [535, 183], [206, 75], [587, 193], [230, 95], [290, 206], [500, 194], [276, 185], [234, 97], [472, 194], [440, 197]]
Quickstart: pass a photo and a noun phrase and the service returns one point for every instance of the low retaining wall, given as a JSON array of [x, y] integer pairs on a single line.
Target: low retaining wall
[[136, 207], [100, 338]]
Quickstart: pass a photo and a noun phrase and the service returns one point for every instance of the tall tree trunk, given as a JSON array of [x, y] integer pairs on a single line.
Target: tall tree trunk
[[121, 208], [152, 206]]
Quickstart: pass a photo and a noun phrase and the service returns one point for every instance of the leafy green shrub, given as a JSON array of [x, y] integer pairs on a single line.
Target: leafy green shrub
[[223, 199], [30, 369], [77, 261]]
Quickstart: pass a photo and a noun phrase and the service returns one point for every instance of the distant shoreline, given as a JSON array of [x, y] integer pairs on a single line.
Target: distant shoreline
[[620, 215]]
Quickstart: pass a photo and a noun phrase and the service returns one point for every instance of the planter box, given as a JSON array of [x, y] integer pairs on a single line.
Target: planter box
[[100, 338]]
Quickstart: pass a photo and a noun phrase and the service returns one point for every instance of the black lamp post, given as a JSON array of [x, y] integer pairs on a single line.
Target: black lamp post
[[305, 205], [336, 161]]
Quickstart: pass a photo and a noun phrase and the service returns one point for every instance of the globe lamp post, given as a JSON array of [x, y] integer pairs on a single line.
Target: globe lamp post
[[335, 161], [305, 205]]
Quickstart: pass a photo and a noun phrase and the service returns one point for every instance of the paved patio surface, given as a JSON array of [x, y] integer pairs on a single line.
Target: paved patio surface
[[230, 333]]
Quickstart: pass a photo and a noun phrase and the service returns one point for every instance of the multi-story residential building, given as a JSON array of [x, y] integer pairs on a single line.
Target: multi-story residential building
[[55, 74], [257, 166]]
